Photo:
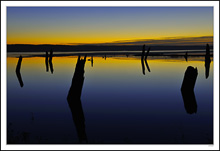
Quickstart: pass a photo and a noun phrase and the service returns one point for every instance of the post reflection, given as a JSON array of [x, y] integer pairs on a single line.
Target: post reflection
[[207, 61], [18, 74], [74, 100], [143, 67], [50, 61], [91, 61], [46, 61], [144, 59], [187, 90]]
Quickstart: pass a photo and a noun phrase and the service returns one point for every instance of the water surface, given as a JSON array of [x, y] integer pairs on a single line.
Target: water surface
[[120, 103]]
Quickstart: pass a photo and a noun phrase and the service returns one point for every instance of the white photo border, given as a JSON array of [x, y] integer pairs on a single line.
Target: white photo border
[[5, 4]]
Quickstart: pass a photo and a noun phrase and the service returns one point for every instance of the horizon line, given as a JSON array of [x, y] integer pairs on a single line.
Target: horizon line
[[181, 40]]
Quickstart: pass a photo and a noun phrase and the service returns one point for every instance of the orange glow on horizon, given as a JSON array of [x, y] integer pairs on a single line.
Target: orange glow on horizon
[[82, 41]]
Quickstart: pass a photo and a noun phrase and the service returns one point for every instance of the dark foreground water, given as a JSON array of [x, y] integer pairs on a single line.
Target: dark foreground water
[[117, 100]]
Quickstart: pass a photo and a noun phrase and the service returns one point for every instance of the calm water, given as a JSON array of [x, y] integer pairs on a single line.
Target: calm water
[[119, 104]]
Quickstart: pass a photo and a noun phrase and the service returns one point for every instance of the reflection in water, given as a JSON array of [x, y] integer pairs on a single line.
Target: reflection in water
[[144, 58], [101, 114], [148, 68], [74, 100], [207, 61], [91, 60], [51, 66], [186, 56], [143, 68], [104, 57], [50, 61], [18, 71], [46, 61], [187, 89]]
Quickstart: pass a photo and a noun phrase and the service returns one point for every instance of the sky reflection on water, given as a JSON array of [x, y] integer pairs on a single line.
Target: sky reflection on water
[[120, 104]]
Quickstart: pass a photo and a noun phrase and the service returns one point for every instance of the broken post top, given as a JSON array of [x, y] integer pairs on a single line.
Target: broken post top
[[189, 79]]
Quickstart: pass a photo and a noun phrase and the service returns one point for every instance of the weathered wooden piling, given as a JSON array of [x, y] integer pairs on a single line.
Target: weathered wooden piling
[[187, 89], [18, 73]]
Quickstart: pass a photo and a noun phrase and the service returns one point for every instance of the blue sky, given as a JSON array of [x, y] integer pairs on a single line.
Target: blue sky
[[55, 25]]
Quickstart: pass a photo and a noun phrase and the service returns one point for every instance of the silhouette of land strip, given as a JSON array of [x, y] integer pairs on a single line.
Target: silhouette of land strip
[[73, 48], [74, 100], [18, 74], [66, 50], [187, 89]]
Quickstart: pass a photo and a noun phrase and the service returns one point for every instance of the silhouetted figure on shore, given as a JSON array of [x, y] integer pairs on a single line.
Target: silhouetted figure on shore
[[187, 90], [105, 56], [207, 61], [18, 68], [46, 61], [186, 56], [50, 61], [74, 100]]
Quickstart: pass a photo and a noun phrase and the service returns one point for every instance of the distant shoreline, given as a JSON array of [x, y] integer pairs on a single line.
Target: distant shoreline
[[80, 48]]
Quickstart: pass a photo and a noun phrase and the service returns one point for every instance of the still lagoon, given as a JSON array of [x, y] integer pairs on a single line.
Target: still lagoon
[[107, 99]]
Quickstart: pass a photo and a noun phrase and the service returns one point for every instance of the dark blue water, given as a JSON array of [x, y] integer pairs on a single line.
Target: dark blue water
[[118, 103]]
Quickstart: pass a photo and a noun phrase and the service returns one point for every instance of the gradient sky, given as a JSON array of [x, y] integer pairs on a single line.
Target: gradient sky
[[81, 25]]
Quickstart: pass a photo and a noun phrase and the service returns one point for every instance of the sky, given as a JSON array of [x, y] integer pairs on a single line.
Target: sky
[[95, 25]]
